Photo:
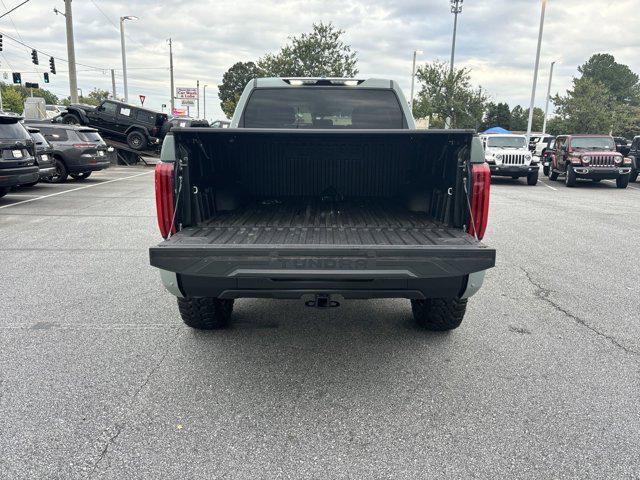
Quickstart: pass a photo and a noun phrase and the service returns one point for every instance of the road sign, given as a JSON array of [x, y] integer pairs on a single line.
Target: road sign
[[142, 99], [187, 93]]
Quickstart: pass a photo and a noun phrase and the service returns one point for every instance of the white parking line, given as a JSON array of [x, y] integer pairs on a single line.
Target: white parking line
[[75, 189], [548, 186]]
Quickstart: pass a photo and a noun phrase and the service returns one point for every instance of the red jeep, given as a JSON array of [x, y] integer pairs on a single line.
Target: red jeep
[[592, 157]]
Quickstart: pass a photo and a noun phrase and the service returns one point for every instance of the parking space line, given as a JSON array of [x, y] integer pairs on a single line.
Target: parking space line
[[548, 186], [75, 189]]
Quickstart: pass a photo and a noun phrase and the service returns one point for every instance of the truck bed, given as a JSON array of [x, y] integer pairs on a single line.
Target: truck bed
[[314, 222]]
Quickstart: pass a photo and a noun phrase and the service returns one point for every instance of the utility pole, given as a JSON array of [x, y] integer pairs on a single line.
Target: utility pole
[[546, 107], [204, 101], [456, 9], [71, 52], [173, 92], [113, 83], [535, 72], [124, 62], [198, 86], [413, 78]]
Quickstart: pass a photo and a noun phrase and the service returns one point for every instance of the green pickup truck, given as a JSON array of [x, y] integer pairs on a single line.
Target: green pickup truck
[[322, 190]]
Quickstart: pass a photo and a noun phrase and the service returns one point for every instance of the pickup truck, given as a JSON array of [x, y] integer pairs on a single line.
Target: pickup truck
[[589, 157], [17, 154], [322, 190]]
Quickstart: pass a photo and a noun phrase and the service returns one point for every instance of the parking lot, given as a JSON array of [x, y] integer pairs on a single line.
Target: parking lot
[[99, 378]]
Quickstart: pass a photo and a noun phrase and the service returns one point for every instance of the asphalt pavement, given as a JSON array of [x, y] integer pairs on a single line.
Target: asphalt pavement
[[100, 379]]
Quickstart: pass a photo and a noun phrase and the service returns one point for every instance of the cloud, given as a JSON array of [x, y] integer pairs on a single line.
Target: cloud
[[496, 39]]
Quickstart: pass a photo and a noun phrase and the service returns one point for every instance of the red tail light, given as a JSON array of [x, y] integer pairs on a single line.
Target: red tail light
[[480, 187], [164, 198], [83, 145]]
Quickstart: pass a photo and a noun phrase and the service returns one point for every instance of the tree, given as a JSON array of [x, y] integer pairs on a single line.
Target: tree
[[443, 94], [520, 119], [95, 97], [15, 104], [321, 53], [12, 101], [588, 108], [233, 82], [497, 115], [621, 82]]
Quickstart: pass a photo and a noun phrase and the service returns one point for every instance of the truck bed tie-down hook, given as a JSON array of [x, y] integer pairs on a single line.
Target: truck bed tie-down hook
[[322, 301]]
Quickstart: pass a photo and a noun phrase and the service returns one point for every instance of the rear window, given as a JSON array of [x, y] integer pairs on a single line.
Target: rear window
[[314, 107], [13, 130], [38, 138], [55, 134], [89, 136]]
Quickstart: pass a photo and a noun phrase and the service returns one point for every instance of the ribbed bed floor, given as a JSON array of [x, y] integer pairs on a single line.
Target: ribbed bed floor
[[311, 222]]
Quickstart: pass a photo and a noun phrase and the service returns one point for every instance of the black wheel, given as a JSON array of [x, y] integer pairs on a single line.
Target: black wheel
[[4, 191], [553, 175], [137, 140], [439, 314], [545, 170], [205, 313], [633, 176], [71, 119], [622, 181], [532, 178], [570, 178], [61, 173], [80, 176]]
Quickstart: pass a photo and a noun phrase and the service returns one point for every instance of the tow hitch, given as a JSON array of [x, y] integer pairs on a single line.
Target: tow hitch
[[322, 301]]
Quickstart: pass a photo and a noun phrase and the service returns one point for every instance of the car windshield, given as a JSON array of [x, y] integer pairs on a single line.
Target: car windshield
[[89, 136], [13, 130], [506, 142], [320, 108], [593, 143]]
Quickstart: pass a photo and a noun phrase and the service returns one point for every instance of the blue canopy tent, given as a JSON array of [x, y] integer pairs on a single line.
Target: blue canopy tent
[[496, 130]]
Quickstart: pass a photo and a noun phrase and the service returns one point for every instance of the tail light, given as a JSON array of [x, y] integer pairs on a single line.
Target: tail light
[[480, 188], [164, 198], [83, 145]]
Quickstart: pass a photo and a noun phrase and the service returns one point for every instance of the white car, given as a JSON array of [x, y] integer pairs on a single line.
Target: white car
[[508, 156], [53, 111]]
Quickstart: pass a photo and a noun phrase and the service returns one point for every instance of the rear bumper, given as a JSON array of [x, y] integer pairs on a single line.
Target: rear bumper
[[89, 167], [511, 170], [600, 173], [46, 172], [18, 176], [393, 272]]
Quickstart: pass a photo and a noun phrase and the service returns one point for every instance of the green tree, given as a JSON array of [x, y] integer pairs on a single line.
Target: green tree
[[23, 92], [95, 97], [443, 94], [233, 82], [12, 101], [622, 83], [520, 119], [588, 108], [321, 53], [497, 115]]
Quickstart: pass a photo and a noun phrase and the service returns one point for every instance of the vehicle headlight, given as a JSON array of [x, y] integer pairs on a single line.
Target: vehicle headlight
[[618, 160], [527, 158], [586, 160], [498, 157]]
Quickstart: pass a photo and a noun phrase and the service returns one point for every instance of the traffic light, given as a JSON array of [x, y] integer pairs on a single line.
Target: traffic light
[[17, 78], [1, 47], [46, 77], [34, 56], [52, 65]]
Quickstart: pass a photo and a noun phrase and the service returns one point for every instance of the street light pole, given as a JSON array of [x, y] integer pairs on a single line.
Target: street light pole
[[413, 78], [198, 87], [173, 92], [456, 9], [546, 107], [124, 56], [71, 52], [113, 83], [204, 101], [535, 71]]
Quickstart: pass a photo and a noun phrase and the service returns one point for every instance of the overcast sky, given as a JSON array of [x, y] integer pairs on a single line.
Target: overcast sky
[[496, 39]]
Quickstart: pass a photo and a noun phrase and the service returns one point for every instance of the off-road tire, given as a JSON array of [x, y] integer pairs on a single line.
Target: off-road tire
[[570, 179], [80, 176], [439, 314], [623, 181], [4, 191], [532, 178], [71, 119], [553, 175], [205, 313], [61, 173], [633, 176], [137, 140], [545, 170]]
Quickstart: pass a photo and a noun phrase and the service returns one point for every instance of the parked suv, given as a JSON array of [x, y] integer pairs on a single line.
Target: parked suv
[[634, 154], [44, 156], [17, 162], [546, 153], [140, 127], [78, 151], [508, 156], [592, 157]]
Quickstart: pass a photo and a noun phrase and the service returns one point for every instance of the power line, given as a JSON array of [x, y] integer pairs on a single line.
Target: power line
[[14, 8]]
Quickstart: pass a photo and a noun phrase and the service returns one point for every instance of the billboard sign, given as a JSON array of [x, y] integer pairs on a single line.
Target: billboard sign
[[187, 93]]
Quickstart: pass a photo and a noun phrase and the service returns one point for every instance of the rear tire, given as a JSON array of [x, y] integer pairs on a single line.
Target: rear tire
[[570, 179], [205, 313], [137, 140], [633, 176], [622, 181], [80, 176], [545, 170], [71, 119], [4, 191], [61, 173], [553, 175], [439, 314], [532, 179]]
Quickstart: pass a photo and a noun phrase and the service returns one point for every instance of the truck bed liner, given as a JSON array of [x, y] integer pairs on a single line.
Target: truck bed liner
[[313, 222]]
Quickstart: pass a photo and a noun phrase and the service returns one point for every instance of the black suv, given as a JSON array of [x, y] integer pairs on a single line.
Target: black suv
[[140, 127], [17, 163], [634, 154], [78, 151]]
